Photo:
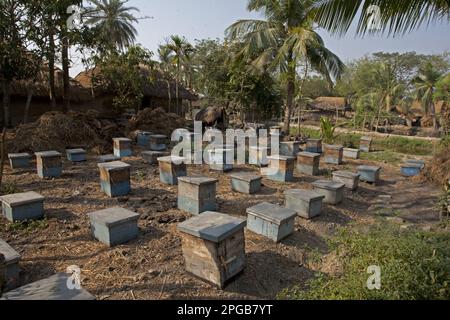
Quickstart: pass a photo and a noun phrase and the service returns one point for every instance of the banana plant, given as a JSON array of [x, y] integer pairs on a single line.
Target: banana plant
[[328, 130]]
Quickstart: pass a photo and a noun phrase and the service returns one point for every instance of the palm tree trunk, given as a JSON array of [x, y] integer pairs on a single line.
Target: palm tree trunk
[[169, 94], [433, 116], [290, 96], [65, 66], [51, 70], [6, 88]]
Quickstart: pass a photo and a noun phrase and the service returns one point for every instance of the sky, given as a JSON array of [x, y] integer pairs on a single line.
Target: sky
[[201, 19]]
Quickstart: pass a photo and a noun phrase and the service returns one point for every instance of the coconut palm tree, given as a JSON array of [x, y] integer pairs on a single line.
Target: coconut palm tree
[[395, 17], [425, 84], [166, 68], [114, 22], [282, 40]]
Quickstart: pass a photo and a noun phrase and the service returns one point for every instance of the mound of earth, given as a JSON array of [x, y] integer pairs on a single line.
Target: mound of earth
[[439, 171], [156, 121]]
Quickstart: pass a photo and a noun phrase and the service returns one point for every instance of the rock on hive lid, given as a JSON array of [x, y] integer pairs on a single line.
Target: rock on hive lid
[[272, 212], [212, 226]]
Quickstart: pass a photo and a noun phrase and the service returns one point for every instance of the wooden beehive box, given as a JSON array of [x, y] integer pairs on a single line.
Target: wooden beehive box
[[19, 160], [171, 168], [122, 147], [333, 191], [213, 247], [23, 206], [259, 156], [108, 158], [271, 221], [350, 179], [151, 157], [366, 144], [351, 153], [115, 178], [307, 203], [334, 154], [290, 148], [308, 163], [10, 264], [281, 168], [158, 142], [49, 164], [76, 155], [197, 194], [370, 174], [314, 146], [411, 169], [143, 138], [246, 183]]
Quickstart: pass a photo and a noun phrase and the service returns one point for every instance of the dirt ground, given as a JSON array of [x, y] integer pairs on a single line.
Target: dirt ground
[[152, 267]]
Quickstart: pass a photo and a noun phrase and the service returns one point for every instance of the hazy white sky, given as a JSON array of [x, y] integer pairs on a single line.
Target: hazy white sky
[[200, 19]]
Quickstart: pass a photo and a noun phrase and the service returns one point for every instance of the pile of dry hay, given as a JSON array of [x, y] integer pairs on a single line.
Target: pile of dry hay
[[156, 121], [439, 170], [58, 131]]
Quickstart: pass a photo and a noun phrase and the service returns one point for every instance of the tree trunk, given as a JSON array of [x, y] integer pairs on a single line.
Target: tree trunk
[[289, 99], [51, 70], [2, 156], [169, 94], [6, 86], [433, 116], [66, 66], [28, 103]]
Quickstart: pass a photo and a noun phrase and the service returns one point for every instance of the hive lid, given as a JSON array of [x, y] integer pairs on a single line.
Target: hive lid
[[328, 185], [334, 147], [280, 157], [421, 162], [369, 168], [212, 226], [314, 140], [108, 157], [272, 212], [197, 180], [248, 177], [306, 195], [45, 154], [346, 174], [53, 288], [154, 153], [122, 139], [11, 256], [18, 155], [291, 142], [19, 199], [412, 165], [79, 150], [172, 159], [113, 216], [308, 154], [115, 165], [158, 136], [144, 133]]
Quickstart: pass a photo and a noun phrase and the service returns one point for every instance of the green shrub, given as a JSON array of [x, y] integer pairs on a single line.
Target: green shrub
[[414, 266], [9, 188]]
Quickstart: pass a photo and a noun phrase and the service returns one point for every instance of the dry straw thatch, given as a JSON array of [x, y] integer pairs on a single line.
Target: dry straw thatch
[[156, 121]]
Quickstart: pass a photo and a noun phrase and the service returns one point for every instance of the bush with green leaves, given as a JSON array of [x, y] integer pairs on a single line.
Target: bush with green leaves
[[414, 266]]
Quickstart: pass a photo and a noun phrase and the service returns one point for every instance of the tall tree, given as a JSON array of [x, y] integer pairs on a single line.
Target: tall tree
[[282, 40]]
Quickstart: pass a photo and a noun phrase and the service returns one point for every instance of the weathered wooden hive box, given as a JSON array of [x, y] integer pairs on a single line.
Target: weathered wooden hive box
[[171, 168], [334, 154], [122, 147], [259, 156], [350, 153], [143, 138], [19, 160], [314, 145], [49, 164], [114, 226], [289, 148], [158, 142], [108, 158], [333, 191], [54, 288], [246, 183], [214, 247], [422, 163], [11, 265], [411, 169], [115, 178], [370, 174], [221, 160], [23, 206], [271, 221], [197, 194], [366, 144], [151, 157], [281, 168], [308, 163], [307, 203], [350, 179], [76, 155]]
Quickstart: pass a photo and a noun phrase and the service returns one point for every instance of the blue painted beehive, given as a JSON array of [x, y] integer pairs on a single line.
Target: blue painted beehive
[[333, 191], [143, 138], [281, 168], [271, 221], [308, 163], [122, 147], [314, 145], [48, 164], [158, 142], [11, 265], [76, 155], [108, 158], [350, 179], [289, 148], [19, 160], [213, 247], [411, 169], [246, 183], [369, 174], [115, 178], [197, 194], [54, 288], [307, 203], [151, 157], [171, 168], [422, 163], [259, 156], [334, 154], [221, 160], [114, 226], [23, 206]]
